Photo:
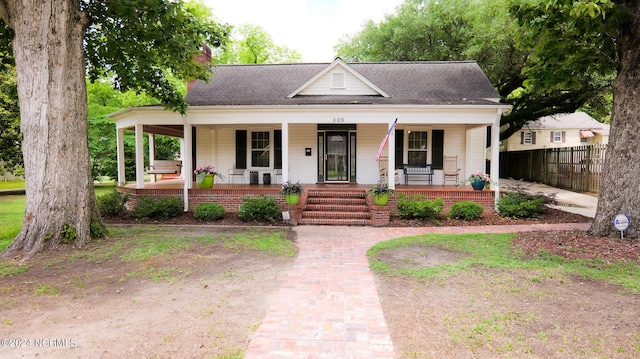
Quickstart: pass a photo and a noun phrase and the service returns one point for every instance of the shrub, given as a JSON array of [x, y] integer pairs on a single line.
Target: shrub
[[466, 210], [208, 211], [419, 207], [161, 208], [519, 205], [112, 204], [263, 208]]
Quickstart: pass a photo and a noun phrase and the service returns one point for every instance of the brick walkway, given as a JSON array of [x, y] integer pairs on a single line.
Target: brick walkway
[[328, 306]]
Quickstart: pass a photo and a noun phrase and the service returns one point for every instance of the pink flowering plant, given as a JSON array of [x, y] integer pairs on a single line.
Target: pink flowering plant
[[202, 171], [478, 176]]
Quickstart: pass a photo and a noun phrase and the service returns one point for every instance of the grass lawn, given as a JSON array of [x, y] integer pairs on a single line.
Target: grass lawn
[[12, 209]]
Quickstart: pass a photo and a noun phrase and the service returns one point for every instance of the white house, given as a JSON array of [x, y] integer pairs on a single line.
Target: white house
[[562, 130], [324, 122]]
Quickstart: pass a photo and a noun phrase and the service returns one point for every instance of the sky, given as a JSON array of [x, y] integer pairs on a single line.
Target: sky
[[311, 27]]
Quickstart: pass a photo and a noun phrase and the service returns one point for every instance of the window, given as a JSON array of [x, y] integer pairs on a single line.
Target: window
[[417, 148], [527, 138], [556, 136], [584, 140], [260, 152]]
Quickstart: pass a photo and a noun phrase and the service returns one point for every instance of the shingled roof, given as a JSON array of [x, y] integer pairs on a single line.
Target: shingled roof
[[419, 83]]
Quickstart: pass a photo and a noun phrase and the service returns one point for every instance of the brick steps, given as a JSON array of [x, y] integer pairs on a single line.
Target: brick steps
[[336, 207]]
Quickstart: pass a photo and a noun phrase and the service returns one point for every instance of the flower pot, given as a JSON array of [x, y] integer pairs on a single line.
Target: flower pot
[[381, 199], [206, 182], [292, 198], [478, 185]]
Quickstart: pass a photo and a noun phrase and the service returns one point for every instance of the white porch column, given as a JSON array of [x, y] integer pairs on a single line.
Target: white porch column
[[182, 153], [391, 164], [285, 151], [152, 152], [495, 155], [187, 160], [139, 156], [120, 156]]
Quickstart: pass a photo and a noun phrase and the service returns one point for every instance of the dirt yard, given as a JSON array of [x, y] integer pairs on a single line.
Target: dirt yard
[[205, 301]]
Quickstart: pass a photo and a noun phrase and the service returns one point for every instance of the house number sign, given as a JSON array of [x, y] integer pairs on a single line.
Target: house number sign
[[338, 119]]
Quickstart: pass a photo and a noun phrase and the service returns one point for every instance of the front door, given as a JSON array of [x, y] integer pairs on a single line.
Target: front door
[[337, 156]]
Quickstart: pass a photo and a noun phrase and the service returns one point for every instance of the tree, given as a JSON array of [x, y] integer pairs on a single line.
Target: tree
[[251, 44], [136, 42], [10, 137], [604, 36], [427, 30]]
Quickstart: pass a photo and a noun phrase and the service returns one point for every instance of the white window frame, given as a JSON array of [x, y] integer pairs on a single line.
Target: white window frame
[[266, 149], [527, 138], [426, 146], [557, 136]]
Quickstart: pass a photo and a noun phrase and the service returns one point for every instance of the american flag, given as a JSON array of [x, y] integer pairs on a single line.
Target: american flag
[[386, 138]]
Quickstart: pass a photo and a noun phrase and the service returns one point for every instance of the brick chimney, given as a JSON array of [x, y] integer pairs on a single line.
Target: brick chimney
[[203, 58]]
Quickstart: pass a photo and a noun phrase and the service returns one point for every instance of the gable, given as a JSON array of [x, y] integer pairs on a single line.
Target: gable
[[338, 79]]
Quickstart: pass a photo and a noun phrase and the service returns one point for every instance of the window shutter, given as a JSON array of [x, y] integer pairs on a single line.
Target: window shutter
[[241, 149], [551, 138], [277, 145], [533, 138], [399, 148], [437, 149], [564, 136], [522, 138]]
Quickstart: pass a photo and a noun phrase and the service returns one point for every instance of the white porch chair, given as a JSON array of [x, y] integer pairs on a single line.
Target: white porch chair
[[236, 172]]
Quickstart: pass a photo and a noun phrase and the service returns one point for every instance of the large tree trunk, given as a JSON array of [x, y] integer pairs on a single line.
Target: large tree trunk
[[620, 191], [61, 204]]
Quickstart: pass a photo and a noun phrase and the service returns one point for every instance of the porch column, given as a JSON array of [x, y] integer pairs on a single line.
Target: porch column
[[495, 155], [285, 151], [122, 179], [391, 162], [182, 152], [187, 160], [152, 152], [139, 156]]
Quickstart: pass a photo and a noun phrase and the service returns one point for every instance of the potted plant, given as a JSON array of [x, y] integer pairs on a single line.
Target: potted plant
[[291, 192], [381, 192], [478, 180], [205, 176]]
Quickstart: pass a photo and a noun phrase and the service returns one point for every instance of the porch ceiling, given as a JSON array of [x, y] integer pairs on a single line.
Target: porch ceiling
[[166, 130]]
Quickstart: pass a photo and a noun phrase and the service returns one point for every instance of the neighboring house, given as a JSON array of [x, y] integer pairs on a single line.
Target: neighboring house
[[563, 130], [324, 123]]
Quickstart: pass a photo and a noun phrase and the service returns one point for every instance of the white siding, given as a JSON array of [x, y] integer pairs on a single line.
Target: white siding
[[476, 152], [368, 141], [353, 85], [303, 168]]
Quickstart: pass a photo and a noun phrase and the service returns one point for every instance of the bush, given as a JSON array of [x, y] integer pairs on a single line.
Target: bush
[[519, 205], [161, 208], [466, 210], [112, 204], [419, 207], [208, 211], [263, 208]]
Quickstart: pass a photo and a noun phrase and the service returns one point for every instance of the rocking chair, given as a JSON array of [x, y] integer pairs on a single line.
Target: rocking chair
[[450, 171]]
